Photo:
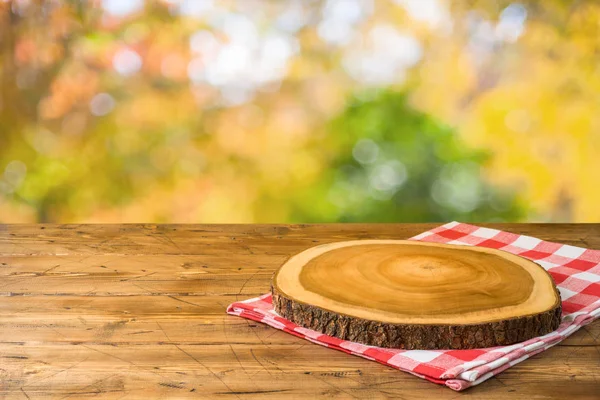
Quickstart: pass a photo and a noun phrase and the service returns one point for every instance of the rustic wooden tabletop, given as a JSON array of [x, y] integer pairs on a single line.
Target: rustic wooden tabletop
[[138, 311]]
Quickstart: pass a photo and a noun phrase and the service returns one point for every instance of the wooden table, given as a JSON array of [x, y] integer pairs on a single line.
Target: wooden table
[[138, 311]]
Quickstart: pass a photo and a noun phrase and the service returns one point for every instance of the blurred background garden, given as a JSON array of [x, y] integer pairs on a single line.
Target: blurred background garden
[[299, 111]]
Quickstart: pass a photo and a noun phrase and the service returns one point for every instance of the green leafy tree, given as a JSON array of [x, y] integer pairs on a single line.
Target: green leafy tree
[[391, 162]]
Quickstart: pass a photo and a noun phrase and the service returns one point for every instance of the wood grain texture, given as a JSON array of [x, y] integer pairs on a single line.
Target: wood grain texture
[[417, 295], [137, 311]]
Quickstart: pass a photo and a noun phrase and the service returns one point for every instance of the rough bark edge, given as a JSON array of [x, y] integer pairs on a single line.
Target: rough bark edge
[[417, 336]]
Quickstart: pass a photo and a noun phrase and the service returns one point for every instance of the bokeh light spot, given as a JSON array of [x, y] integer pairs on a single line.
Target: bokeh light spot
[[388, 176], [122, 8], [101, 104], [432, 12], [512, 22], [14, 173], [127, 62], [365, 151]]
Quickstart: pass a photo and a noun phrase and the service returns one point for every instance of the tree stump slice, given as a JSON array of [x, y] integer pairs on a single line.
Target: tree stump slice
[[417, 295]]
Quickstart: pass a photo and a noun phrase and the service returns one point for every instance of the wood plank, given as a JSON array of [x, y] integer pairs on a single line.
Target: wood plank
[[136, 265], [75, 284], [129, 239], [132, 311], [231, 370], [133, 319]]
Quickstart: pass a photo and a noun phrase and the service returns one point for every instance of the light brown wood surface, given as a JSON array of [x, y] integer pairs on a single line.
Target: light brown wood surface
[[137, 311], [406, 294]]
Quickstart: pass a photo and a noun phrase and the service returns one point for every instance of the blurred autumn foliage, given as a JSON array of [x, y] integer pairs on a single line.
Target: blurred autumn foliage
[[299, 111]]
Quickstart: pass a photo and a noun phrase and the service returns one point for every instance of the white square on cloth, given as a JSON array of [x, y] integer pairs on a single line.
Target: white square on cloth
[[526, 242], [569, 251], [421, 355]]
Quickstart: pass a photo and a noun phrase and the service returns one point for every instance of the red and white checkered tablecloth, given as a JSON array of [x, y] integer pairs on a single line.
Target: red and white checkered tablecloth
[[575, 270]]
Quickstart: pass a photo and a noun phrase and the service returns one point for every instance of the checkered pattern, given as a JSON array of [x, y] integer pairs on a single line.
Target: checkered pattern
[[575, 270]]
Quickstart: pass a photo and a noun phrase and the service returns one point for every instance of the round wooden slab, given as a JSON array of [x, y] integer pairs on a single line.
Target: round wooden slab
[[417, 295]]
